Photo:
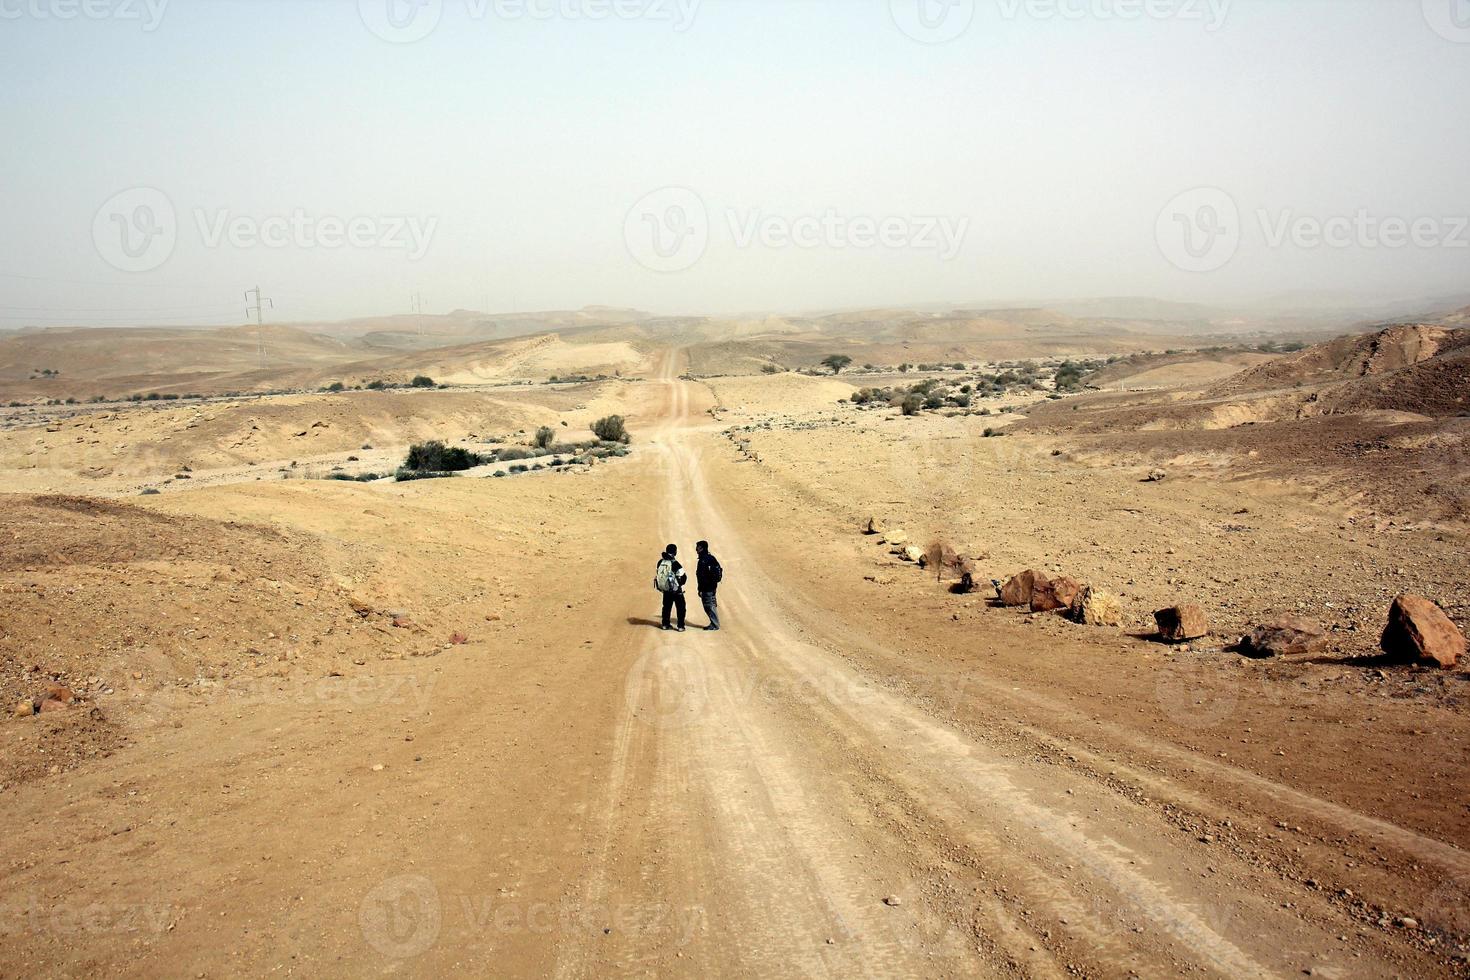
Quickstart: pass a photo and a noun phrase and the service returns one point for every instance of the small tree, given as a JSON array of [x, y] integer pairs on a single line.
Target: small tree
[[422, 381], [611, 429], [837, 362], [912, 404], [545, 436], [336, 386]]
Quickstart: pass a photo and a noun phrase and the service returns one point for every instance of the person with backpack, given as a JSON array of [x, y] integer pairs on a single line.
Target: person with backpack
[[707, 577], [670, 579]]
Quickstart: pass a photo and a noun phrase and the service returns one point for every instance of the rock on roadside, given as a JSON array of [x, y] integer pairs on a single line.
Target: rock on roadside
[[1179, 624], [1285, 636], [1052, 594], [1019, 590], [1094, 607], [1418, 631]]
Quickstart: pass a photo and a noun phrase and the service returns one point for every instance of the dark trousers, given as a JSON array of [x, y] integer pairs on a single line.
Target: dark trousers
[[672, 601], [711, 608]]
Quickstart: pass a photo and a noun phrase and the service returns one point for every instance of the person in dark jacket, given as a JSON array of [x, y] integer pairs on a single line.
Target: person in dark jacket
[[670, 579], [707, 577]]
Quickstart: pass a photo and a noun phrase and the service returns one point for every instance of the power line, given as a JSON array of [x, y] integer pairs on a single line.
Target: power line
[[116, 321], [122, 310], [259, 321], [94, 282]]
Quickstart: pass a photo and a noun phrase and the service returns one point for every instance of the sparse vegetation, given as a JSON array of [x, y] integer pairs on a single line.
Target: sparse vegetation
[[545, 436], [611, 429], [837, 363], [436, 457], [422, 381]]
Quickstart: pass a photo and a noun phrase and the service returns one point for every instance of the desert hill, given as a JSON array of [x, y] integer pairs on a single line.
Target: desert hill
[[1355, 356]]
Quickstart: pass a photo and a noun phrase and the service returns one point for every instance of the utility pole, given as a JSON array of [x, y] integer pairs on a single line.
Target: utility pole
[[259, 320], [417, 301]]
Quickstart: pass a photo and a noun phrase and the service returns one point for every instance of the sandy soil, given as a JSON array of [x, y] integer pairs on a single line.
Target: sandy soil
[[862, 775]]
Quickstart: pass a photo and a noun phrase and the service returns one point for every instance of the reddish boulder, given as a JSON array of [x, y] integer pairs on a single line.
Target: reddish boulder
[[51, 704], [1285, 636], [459, 639], [1418, 631], [59, 692], [1019, 590], [1178, 624], [1049, 595]]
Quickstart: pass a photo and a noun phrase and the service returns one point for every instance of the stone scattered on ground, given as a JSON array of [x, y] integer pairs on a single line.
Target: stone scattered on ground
[[24, 709], [1285, 636], [1095, 607], [1179, 624], [1418, 631], [1051, 594], [1156, 476], [872, 527]]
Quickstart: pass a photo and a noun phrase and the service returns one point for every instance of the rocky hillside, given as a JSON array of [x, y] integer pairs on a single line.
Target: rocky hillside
[[1418, 368]]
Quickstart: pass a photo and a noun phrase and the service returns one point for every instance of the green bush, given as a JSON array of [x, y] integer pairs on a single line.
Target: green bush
[[912, 404], [422, 381], [336, 386], [611, 429], [545, 436], [435, 457]]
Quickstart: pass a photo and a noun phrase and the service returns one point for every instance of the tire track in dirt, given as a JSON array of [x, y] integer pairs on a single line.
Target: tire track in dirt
[[796, 810]]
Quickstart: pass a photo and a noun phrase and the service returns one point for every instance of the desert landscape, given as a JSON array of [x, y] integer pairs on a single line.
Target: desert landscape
[[706, 489], [295, 707]]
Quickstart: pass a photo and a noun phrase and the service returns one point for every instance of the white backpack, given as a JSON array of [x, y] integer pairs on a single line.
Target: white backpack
[[666, 579]]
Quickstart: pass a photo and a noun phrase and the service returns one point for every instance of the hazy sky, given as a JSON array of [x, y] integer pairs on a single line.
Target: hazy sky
[[160, 156]]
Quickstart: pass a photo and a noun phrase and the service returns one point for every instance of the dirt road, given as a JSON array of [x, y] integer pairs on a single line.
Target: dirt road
[[591, 796]]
